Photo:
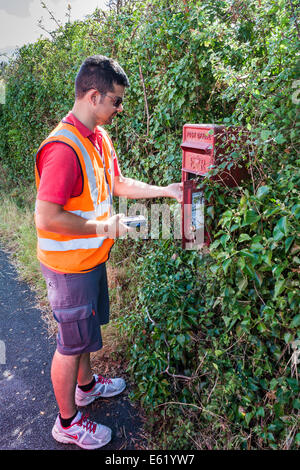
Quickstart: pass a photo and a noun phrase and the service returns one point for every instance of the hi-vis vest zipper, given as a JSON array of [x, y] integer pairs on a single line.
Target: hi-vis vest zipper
[[75, 254]]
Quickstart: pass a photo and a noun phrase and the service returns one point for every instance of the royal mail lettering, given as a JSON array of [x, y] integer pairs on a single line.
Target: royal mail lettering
[[198, 136]]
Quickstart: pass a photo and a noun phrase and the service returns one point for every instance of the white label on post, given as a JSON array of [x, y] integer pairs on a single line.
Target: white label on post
[[197, 210]]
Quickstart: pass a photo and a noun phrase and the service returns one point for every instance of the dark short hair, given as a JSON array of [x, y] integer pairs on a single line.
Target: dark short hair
[[101, 73]]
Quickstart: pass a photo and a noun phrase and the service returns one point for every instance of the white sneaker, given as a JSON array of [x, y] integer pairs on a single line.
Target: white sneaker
[[103, 388], [82, 432]]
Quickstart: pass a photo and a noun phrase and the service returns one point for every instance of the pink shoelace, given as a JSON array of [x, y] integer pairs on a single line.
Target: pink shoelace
[[102, 380], [87, 424]]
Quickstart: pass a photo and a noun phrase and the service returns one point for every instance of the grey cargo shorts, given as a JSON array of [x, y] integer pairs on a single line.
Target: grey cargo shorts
[[80, 304]]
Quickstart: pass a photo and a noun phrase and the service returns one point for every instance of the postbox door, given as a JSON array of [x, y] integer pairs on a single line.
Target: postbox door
[[194, 234]]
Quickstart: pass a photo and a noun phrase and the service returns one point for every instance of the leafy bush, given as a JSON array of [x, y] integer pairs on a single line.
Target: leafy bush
[[215, 337], [212, 335]]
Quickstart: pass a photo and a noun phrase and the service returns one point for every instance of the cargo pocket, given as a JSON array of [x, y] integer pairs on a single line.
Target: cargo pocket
[[76, 326]]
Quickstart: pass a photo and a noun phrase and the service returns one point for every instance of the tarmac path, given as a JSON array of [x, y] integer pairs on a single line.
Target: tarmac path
[[27, 404]]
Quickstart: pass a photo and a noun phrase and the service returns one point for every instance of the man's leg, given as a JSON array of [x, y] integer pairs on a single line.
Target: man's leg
[[72, 427], [85, 374], [64, 373]]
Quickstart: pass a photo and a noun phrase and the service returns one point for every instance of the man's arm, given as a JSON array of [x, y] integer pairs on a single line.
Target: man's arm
[[53, 218], [134, 189]]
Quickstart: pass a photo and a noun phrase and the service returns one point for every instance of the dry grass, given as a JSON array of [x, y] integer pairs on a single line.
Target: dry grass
[[18, 239]]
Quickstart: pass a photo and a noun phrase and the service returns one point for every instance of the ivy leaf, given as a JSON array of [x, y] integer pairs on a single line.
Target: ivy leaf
[[180, 339], [295, 322], [260, 412], [279, 139], [224, 239], [279, 287], [214, 268], [272, 211], [248, 418], [257, 247], [252, 256], [218, 352], [267, 258], [242, 284], [262, 192], [211, 211], [258, 278], [288, 337], [215, 245], [296, 210], [288, 243], [249, 271], [296, 404], [277, 234], [244, 237], [282, 226], [262, 327], [277, 270], [226, 265], [251, 217], [265, 134], [234, 227], [280, 229]]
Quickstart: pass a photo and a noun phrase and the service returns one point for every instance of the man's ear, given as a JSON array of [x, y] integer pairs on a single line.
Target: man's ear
[[93, 96]]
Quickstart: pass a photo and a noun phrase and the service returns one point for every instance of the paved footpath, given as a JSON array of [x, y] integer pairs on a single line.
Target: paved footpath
[[27, 404]]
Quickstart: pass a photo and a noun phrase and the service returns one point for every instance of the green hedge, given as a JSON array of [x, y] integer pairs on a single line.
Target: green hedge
[[217, 332], [211, 336]]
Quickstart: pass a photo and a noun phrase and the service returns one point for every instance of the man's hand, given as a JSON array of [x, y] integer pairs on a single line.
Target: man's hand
[[53, 218], [175, 190], [113, 227]]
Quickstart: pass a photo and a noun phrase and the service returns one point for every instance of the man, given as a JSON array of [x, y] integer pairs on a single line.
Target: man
[[77, 173]]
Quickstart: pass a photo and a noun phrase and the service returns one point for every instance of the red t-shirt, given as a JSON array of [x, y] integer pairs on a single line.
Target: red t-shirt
[[59, 169]]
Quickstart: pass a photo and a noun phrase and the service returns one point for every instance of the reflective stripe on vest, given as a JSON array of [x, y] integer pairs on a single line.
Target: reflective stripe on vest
[[76, 244], [99, 208], [87, 161], [102, 208]]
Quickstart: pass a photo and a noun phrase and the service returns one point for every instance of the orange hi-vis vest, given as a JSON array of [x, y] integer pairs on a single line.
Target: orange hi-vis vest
[[75, 254]]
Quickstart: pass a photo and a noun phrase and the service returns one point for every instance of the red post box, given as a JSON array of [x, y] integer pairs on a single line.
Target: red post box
[[205, 147]]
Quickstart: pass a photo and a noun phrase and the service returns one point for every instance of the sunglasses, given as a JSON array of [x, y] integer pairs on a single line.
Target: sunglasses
[[116, 100]]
